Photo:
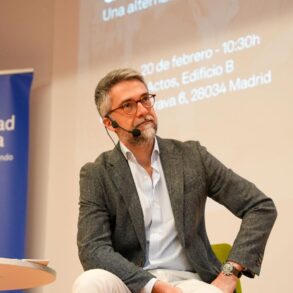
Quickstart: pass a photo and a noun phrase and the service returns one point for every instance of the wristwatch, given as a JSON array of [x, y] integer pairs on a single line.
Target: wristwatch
[[228, 269]]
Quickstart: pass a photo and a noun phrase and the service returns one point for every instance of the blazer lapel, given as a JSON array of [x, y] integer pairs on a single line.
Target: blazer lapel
[[123, 179], [171, 160]]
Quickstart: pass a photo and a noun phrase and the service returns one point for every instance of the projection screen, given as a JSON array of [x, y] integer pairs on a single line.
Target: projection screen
[[220, 69]]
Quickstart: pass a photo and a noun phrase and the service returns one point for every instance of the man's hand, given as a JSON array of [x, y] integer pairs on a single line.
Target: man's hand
[[164, 287], [226, 283]]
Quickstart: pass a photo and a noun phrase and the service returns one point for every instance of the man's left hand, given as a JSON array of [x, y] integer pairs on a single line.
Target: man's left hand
[[225, 283]]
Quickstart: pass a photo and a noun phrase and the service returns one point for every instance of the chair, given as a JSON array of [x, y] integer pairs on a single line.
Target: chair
[[222, 251]]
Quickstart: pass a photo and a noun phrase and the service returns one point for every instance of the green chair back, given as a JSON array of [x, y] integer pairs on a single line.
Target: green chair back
[[222, 251]]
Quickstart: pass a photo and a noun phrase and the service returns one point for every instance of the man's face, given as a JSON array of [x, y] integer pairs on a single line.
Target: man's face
[[144, 119]]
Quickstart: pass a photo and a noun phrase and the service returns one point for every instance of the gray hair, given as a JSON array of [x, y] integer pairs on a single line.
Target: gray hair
[[102, 98]]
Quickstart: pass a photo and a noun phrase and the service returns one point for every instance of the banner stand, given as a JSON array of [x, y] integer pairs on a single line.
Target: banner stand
[[14, 147]]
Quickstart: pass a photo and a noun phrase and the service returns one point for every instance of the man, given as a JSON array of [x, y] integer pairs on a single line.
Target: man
[[141, 223]]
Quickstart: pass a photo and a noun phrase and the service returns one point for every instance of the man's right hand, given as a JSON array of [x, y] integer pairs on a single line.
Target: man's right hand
[[164, 287]]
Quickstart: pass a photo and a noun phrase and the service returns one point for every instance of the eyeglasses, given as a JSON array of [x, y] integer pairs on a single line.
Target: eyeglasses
[[129, 107]]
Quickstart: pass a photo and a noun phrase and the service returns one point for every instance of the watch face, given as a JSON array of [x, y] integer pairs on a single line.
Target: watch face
[[227, 269]]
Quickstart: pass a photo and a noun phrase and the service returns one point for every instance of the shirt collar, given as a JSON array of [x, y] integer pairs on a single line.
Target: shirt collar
[[129, 155]]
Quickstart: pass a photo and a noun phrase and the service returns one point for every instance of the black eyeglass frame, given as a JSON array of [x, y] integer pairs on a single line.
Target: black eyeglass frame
[[150, 96]]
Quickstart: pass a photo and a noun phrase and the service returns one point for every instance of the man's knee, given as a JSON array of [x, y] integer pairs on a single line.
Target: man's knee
[[97, 280]]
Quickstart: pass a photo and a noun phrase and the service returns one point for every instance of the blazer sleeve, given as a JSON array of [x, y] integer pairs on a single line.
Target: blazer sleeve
[[94, 234], [246, 201]]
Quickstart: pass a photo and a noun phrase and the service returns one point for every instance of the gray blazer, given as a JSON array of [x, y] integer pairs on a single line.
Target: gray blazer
[[111, 232]]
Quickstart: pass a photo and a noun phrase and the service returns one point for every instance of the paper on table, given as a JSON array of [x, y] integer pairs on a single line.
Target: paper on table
[[43, 262]]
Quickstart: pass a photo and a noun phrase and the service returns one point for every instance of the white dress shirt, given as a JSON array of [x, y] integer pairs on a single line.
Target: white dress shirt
[[163, 247]]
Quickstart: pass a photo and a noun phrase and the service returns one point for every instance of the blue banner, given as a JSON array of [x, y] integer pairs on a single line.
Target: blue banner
[[14, 143]]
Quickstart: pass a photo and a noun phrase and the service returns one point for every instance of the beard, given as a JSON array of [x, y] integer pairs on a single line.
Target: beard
[[146, 135]]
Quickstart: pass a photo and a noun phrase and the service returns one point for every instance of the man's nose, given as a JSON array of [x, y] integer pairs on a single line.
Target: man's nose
[[141, 110]]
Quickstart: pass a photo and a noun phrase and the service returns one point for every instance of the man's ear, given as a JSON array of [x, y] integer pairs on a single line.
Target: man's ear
[[108, 123]]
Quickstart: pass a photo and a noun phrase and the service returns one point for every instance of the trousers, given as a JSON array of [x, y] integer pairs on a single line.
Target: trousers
[[101, 281]]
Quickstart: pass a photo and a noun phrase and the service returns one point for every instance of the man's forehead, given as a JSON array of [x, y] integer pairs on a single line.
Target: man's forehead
[[128, 89]]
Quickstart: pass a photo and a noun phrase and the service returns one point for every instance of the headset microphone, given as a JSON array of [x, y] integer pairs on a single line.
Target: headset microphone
[[135, 132]]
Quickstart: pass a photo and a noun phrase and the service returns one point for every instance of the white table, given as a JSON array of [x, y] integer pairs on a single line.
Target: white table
[[22, 274]]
